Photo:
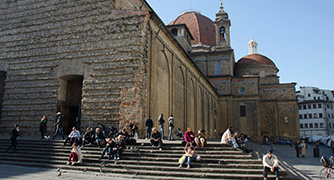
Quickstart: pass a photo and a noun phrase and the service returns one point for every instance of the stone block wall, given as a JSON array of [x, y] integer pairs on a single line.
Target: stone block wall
[[44, 40]]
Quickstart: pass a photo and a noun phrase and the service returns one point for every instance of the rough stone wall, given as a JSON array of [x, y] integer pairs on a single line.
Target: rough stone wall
[[38, 38]]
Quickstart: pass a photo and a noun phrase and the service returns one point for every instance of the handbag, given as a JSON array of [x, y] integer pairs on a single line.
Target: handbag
[[182, 158]]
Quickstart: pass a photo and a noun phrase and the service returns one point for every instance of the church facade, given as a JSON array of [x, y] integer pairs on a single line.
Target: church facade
[[115, 61]]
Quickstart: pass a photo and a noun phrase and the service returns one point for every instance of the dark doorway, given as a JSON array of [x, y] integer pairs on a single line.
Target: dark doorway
[[71, 107], [2, 89]]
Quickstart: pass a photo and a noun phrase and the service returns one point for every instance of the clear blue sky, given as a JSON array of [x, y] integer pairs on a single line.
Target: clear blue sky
[[298, 35]]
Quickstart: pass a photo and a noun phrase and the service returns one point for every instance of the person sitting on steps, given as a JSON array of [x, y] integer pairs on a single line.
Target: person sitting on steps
[[75, 156], [109, 149], [120, 147], [88, 137], [99, 138], [74, 136], [156, 139], [189, 155], [200, 139], [270, 163]]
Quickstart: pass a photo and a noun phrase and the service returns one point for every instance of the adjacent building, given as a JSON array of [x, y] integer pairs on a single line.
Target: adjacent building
[[316, 113]]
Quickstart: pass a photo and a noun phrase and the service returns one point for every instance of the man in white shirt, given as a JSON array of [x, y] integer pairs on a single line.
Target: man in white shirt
[[74, 136], [270, 163]]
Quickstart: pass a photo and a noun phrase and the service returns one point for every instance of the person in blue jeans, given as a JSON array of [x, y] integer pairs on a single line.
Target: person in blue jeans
[[111, 146], [161, 122], [189, 155], [171, 127]]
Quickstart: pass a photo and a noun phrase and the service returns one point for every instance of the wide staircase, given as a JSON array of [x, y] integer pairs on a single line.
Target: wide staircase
[[140, 161]]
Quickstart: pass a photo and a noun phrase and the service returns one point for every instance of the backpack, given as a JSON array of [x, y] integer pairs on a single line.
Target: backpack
[[170, 122], [324, 161]]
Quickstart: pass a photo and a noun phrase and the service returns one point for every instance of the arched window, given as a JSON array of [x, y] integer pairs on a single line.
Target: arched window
[[174, 32], [222, 32]]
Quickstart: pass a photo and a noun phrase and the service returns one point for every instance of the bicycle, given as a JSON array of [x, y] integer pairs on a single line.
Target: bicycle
[[326, 172]]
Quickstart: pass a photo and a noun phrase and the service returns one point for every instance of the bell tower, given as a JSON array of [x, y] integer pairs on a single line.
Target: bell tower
[[222, 27]]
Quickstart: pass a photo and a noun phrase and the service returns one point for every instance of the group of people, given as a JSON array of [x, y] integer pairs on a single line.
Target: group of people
[[192, 142], [149, 127], [237, 141], [300, 148], [117, 141]]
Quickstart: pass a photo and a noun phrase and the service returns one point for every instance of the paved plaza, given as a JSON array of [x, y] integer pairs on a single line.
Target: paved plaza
[[306, 168]]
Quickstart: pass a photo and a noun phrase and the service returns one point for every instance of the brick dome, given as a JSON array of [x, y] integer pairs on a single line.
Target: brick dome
[[254, 59], [255, 64], [200, 27]]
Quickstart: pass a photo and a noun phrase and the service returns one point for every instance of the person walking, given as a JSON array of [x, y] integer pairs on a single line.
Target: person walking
[[270, 163], [297, 148], [171, 127], [161, 122], [149, 125], [42, 126], [15, 134], [303, 148], [58, 126]]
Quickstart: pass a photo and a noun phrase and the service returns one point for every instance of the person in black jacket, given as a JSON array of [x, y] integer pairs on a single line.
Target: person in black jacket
[[15, 134], [161, 122], [42, 126], [58, 126], [88, 137], [149, 125], [99, 138], [110, 148], [120, 147], [156, 139]]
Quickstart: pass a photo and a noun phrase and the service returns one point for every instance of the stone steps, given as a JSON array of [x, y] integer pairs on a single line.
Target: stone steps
[[217, 162]]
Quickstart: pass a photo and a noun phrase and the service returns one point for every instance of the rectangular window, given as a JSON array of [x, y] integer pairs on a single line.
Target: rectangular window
[[218, 68], [301, 126], [304, 106], [315, 115], [309, 106], [319, 105], [310, 116], [305, 116], [299, 107], [242, 111], [309, 95], [306, 125], [300, 116], [316, 125], [314, 106], [320, 115], [311, 125], [321, 125]]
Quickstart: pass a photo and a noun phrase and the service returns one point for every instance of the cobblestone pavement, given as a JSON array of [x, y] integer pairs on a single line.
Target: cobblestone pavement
[[306, 168]]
